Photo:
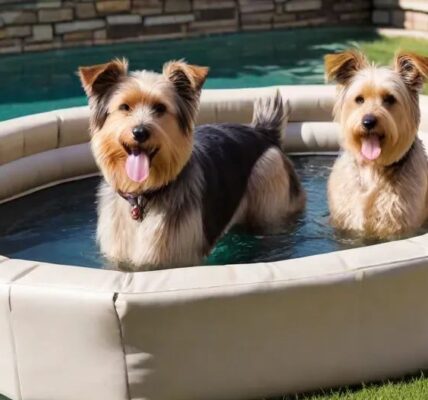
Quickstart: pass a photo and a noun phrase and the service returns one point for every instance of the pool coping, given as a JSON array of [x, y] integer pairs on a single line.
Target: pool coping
[[340, 316]]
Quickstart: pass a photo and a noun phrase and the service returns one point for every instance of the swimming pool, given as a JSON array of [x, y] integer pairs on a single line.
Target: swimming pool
[[327, 313], [38, 82], [58, 225]]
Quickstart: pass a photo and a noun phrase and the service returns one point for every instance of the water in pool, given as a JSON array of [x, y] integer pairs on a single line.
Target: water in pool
[[58, 225], [47, 80]]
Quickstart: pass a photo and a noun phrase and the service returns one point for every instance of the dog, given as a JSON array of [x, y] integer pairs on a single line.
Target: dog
[[170, 190], [378, 187]]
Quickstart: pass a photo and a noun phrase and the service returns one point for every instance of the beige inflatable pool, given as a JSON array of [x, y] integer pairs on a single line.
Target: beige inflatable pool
[[201, 333]]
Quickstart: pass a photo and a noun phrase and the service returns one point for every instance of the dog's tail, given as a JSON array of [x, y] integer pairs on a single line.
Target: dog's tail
[[270, 115]]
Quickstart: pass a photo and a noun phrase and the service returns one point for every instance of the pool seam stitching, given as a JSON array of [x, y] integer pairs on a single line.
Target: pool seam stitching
[[122, 345], [13, 340]]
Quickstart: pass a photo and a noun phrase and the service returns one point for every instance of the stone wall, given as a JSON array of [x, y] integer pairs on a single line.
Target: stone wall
[[408, 14], [48, 24]]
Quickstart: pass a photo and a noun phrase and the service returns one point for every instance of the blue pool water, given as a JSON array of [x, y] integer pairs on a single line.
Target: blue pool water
[[58, 225], [45, 81]]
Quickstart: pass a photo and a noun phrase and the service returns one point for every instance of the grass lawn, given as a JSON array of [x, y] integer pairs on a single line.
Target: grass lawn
[[382, 50], [415, 388], [410, 389]]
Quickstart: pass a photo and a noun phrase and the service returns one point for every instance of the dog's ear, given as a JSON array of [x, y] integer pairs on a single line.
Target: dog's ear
[[97, 79], [413, 69], [341, 67], [187, 80], [185, 76]]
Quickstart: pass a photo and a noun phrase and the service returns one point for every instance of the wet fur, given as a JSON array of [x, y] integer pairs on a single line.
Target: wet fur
[[386, 197], [202, 181]]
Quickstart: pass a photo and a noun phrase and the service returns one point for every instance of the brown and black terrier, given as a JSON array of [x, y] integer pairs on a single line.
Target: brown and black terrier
[[171, 190]]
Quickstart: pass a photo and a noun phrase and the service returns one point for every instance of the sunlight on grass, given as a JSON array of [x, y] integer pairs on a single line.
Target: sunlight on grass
[[382, 51], [415, 388]]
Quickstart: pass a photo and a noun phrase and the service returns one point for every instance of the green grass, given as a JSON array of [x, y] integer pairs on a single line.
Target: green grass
[[414, 388], [382, 50]]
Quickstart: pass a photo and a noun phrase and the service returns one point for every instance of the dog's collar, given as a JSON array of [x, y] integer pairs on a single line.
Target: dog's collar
[[403, 159], [138, 203]]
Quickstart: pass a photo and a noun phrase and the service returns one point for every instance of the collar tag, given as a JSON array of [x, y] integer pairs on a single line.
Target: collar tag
[[137, 213], [137, 203]]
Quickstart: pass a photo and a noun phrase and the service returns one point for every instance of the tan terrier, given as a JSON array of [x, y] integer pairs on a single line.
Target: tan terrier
[[378, 187], [172, 190]]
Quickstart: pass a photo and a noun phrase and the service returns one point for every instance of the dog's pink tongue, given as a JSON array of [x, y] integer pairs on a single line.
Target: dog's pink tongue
[[370, 148], [137, 167]]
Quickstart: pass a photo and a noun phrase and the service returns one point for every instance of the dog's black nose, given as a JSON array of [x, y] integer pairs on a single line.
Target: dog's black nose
[[369, 121], [141, 134]]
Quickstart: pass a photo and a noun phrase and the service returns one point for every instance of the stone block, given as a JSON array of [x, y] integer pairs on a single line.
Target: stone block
[[55, 15], [124, 31], [41, 46], [42, 33], [215, 14], [78, 36], [105, 7], [9, 46], [398, 18], [177, 6], [356, 16], [352, 6], [210, 4], [168, 19], [303, 5], [162, 30], [380, 17], [257, 18], [301, 23], [229, 25], [18, 31], [147, 7], [100, 34], [18, 17], [256, 27], [75, 26], [384, 3], [198, 31], [249, 6], [48, 4], [128, 19], [284, 18], [85, 10]]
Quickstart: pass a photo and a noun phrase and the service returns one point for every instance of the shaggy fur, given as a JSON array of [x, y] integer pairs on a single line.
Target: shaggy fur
[[201, 181], [385, 196]]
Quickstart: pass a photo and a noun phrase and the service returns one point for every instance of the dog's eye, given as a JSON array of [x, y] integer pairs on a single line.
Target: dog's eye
[[389, 100], [359, 99], [159, 108], [124, 107]]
